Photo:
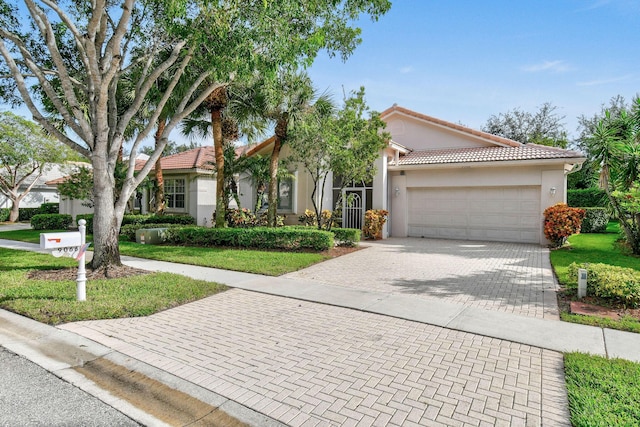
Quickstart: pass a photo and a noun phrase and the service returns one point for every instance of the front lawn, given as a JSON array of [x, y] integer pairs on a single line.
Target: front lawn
[[270, 263], [593, 248], [54, 301], [602, 392]]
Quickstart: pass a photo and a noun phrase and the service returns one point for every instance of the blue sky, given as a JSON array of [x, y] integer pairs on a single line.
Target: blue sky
[[463, 61]]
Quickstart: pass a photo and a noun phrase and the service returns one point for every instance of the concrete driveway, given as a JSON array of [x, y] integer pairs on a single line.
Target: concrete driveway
[[508, 277]]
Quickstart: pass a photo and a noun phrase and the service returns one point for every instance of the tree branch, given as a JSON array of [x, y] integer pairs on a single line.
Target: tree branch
[[46, 30]]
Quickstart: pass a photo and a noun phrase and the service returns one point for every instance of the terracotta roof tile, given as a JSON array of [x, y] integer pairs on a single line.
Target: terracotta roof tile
[[486, 154], [200, 158], [454, 126], [57, 181]]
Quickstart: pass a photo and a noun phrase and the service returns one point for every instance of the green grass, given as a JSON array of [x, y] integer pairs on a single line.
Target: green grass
[[54, 302], [601, 248], [602, 392], [593, 247], [270, 263], [29, 236], [626, 323]]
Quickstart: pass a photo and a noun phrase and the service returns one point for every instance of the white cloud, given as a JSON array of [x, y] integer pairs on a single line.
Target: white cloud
[[553, 66], [604, 81], [406, 70]]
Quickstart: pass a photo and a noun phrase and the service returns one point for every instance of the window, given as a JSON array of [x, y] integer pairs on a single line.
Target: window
[[285, 194], [174, 193]]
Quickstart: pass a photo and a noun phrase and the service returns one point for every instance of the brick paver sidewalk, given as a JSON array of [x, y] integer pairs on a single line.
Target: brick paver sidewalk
[[308, 364], [507, 277]]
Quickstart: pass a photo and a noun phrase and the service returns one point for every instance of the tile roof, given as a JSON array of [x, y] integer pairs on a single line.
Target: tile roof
[[486, 154], [494, 138], [258, 147], [196, 158]]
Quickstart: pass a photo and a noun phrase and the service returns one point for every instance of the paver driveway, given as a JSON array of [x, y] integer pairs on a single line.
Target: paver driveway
[[509, 277], [308, 364]]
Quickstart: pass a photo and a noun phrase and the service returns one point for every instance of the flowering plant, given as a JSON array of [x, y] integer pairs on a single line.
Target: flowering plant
[[374, 220], [561, 221]]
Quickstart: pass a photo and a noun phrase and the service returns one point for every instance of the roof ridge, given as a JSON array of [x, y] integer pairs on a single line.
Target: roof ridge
[[451, 125]]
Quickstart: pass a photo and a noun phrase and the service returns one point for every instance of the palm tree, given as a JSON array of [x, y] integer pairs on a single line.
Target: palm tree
[[213, 108], [278, 101]]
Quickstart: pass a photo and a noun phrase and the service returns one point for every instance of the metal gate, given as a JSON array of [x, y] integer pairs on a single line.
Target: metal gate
[[353, 209]]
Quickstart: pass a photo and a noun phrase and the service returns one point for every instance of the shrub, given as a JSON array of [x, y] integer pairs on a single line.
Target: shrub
[[241, 218], [244, 218], [595, 220], [50, 208], [257, 237], [51, 221], [309, 218], [25, 214], [609, 281], [374, 220], [560, 222], [587, 197], [349, 237], [158, 219], [4, 214]]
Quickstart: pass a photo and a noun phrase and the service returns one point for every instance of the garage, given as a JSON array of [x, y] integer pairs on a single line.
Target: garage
[[506, 214]]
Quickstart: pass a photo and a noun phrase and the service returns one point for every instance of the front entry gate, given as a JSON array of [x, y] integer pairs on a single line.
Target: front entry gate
[[353, 203]]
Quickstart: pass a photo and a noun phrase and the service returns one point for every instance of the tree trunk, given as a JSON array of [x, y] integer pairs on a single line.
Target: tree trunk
[[272, 212], [14, 213], [216, 124], [106, 224], [159, 194]]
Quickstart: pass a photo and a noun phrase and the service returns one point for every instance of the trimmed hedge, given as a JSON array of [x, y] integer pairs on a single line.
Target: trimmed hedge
[[595, 220], [4, 214], [25, 214], [347, 236], [257, 237], [50, 208], [142, 220], [609, 281], [51, 221], [587, 197], [158, 219]]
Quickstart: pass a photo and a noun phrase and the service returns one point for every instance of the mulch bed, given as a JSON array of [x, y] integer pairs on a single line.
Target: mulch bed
[[594, 306], [114, 272]]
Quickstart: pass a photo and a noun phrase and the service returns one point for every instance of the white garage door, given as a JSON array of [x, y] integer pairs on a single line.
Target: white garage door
[[503, 214]]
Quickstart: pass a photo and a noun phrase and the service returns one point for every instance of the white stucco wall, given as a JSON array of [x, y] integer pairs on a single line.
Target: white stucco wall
[[202, 199], [419, 135]]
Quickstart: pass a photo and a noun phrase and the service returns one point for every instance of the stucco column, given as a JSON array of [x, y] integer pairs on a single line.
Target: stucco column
[[398, 212]]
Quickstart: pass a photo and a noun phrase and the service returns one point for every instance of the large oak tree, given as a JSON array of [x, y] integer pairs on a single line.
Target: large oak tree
[[85, 69]]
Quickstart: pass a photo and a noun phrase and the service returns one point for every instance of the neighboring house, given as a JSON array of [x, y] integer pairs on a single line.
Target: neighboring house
[[41, 192], [189, 184], [443, 180]]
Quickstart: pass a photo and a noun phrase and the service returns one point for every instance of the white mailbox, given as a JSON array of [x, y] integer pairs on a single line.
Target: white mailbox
[[60, 240]]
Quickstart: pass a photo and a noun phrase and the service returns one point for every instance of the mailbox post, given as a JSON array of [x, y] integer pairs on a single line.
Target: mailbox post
[[81, 281], [70, 244]]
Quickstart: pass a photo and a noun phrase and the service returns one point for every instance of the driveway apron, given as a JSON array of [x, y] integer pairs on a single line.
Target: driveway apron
[[308, 364]]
